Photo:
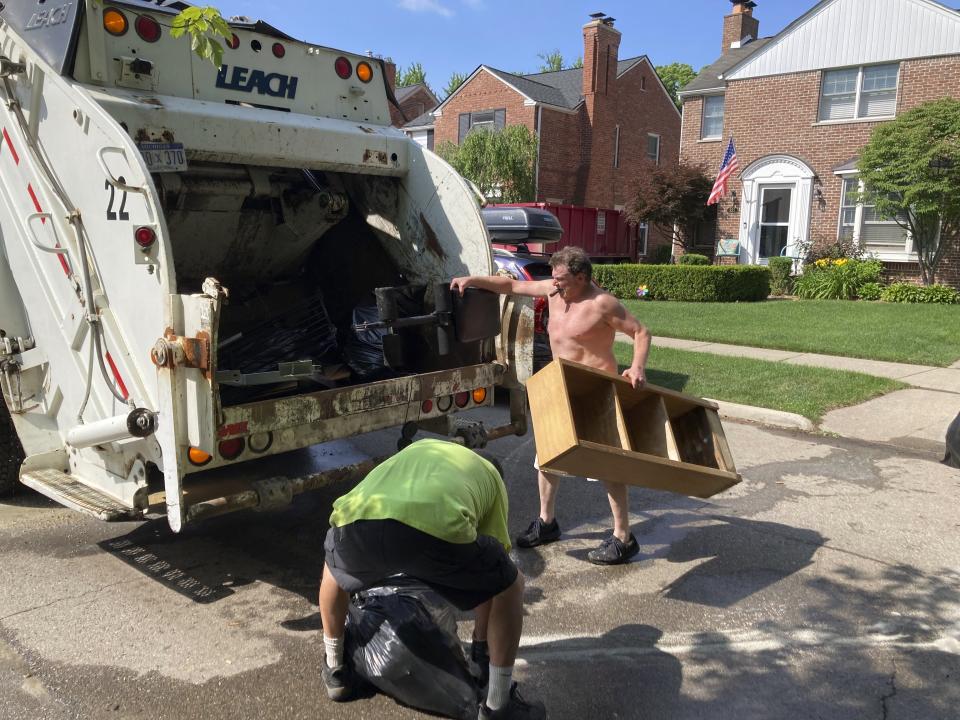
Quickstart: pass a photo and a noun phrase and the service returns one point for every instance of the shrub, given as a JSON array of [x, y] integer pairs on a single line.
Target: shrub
[[870, 291], [902, 292], [693, 259], [687, 283], [780, 281], [662, 254], [836, 279]]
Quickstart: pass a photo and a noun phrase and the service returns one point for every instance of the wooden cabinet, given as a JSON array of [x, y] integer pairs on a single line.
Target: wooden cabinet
[[594, 424]]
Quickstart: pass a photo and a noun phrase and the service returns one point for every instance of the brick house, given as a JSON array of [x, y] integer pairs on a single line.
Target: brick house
[[799, 106], [596, 125], [412, 101]]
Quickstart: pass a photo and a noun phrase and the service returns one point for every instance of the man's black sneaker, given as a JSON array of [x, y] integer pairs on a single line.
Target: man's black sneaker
[[516, 709], [539, 533], [336, 680], [614, 551], [480, 662]]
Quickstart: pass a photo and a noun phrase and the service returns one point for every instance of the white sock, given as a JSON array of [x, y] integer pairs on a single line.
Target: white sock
[[334, 650], [498, 692]]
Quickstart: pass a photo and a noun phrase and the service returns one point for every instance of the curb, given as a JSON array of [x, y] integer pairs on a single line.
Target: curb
[[763, 416]]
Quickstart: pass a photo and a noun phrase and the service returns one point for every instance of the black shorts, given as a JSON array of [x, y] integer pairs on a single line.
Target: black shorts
[[366, 553]]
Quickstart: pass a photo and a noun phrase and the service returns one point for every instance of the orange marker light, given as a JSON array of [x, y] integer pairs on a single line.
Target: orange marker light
[[198, 456], [364, 72], [114, 22], [479, 395]]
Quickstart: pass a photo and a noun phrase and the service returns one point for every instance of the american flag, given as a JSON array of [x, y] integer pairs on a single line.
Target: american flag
[[727, 168]]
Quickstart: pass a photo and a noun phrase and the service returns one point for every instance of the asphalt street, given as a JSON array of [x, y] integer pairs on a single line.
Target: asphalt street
[[825, 585]]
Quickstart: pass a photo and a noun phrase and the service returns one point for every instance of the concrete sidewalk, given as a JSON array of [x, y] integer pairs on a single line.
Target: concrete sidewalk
[[915, 419]]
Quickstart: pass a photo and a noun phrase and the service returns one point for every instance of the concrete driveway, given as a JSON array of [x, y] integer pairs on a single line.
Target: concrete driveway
[[826, 585]]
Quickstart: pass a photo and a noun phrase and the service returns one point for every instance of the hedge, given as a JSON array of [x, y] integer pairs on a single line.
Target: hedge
[[693, 259], [687, 283]]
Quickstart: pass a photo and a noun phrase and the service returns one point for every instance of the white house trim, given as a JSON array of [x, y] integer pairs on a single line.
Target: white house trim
[[841, 33], [779, 171]]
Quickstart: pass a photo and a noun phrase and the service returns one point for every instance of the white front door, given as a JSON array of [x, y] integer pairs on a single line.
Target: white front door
[[774, 221]]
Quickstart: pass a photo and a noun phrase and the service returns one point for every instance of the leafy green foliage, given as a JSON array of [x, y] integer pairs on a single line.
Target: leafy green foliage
[[674, 76], [870, 291], [689, 283], [413, 75], [553, 61], [693, 259], [455, 81], [204, 25], [500, 162], [911, 168], [902, 292], [672, 198], [780, 271], [839, 279]]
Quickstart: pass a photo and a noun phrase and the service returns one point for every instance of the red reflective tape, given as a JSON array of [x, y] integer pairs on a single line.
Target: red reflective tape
[[237, 428], [16, 158], [36, 204], [116, 375]]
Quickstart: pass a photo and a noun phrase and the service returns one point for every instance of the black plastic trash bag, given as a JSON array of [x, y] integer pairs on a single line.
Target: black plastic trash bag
[[403, 641], [952, 456]]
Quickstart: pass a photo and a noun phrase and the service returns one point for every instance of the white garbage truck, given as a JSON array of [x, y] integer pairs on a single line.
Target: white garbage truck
[[207, 273]]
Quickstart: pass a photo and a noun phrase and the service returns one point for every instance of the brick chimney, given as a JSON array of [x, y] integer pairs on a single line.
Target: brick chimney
[[601, 43], [739, 25]]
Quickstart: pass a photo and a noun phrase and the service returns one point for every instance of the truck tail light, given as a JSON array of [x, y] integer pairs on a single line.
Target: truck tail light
[[115, 22], [260, 442], [479, 395], [234, 42], [444, 403], [198, 457], [540, 315], [147, 28], [231, 449], [461, 399], [279, 50], [343, 67], [364, 72], [145, 237], [426, 406]]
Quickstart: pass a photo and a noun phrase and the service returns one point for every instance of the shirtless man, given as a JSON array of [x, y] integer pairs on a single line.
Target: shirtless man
[[583, 322]]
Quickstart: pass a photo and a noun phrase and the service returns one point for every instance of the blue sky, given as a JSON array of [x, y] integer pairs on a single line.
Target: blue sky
[[448, 36]]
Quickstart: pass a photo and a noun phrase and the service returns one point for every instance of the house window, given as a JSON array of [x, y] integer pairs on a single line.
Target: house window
[[489, 119], [642, 239], [643, 82], [616, 146], [653, 147], [860, 223], [863, 92], [712, 126]]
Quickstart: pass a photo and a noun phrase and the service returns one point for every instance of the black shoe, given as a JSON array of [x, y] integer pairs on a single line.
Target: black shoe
[[614, 551], [336, 680], [480, 662], [516, 709], [539, 533]]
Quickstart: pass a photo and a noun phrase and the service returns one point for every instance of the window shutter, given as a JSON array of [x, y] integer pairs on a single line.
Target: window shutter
[[464, 127], [499, 118]]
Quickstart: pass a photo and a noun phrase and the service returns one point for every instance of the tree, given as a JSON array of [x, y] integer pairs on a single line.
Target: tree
[[455, 81], [500, 162], [553, 61], [413, 75], [674, 76], [204, 25], [672, 198], [910, 169]]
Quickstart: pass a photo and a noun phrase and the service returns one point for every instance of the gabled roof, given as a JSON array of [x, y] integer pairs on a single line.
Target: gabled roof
[[402, 93], [709, 80], [560, 88]]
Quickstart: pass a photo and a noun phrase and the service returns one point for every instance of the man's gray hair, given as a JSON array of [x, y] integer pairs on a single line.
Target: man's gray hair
[[574, 259]]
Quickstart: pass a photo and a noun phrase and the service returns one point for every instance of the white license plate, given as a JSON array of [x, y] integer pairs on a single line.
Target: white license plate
[[163, 157]]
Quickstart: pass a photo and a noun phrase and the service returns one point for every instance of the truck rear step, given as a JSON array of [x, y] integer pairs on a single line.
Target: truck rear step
[[59, 486]]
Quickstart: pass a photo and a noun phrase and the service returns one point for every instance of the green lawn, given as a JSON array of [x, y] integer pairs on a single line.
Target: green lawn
[[808, 391], [922, 334]]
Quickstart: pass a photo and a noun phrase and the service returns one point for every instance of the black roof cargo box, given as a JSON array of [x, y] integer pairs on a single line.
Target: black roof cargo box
[[521, 224]]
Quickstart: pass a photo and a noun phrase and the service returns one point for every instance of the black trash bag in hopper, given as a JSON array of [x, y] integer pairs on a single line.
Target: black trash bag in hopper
[[402, 639]]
